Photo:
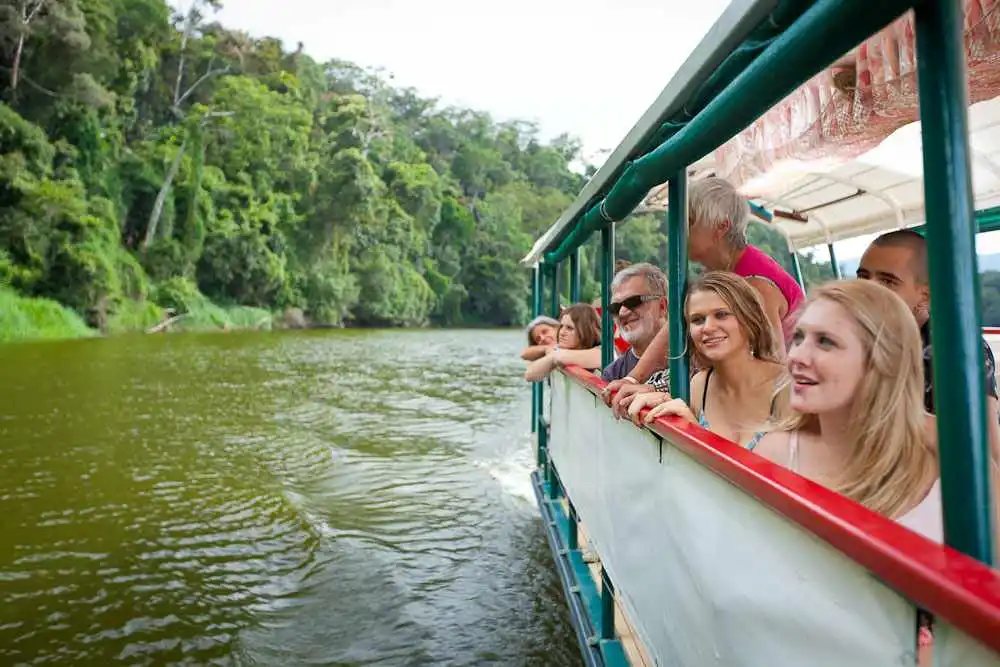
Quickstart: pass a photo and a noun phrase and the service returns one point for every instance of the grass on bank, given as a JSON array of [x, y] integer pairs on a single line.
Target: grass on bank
[[27, 318], [23, 318], [200, 314]]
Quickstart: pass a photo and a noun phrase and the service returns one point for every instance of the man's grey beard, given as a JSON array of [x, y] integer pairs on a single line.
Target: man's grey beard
[[643, 329]]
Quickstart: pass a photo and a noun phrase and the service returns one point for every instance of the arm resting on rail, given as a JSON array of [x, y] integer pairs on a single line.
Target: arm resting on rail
[[621, 403], [662, 404], [673, 407], [652, 360], [540, 369], [589, 359], [533, 352]]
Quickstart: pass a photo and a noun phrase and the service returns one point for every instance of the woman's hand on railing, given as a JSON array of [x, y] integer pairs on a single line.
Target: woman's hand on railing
[[645, 400], [672, 408], [626, 396]]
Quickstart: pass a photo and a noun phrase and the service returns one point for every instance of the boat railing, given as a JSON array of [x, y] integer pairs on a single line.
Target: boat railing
[[717, 556], [720, 557]]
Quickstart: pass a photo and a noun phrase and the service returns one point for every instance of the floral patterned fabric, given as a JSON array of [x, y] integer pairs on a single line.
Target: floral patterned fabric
[[852, 106]]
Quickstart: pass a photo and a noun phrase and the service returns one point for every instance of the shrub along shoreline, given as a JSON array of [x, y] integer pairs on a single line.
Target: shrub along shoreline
[[25, 318]]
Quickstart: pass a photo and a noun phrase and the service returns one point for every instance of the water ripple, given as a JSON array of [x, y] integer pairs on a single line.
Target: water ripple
[[348, 498]]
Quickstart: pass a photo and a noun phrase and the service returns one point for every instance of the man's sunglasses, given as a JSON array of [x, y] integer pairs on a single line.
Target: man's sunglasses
[[631, 303]]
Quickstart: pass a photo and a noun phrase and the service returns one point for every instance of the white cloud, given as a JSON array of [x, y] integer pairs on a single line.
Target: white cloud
[[587, 67]]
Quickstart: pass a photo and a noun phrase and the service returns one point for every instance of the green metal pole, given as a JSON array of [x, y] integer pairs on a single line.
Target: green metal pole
[[574, 276], [542, 458], [958, 346], [573, 539], [677, 272], [833, 261], [607, 606], [536, 310], [538, 388], [551, 478], [797, 267], [568, 289], [536, 291], [607, 275], [551, 481], [550, 275], [554, 291]]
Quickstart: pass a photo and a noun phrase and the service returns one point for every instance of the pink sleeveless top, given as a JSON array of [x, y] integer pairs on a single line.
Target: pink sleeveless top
[[756, 264]]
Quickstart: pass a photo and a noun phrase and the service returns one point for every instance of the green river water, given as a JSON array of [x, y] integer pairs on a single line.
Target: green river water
[[319, 498]]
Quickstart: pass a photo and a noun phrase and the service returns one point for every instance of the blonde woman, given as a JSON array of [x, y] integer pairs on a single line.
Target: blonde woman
[[579, 343], [858, 423], [739, 353]]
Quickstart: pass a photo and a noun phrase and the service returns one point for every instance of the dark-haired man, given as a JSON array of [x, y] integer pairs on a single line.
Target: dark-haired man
[[898, 260]]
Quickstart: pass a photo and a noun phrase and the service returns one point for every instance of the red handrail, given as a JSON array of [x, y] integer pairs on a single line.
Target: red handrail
[[957, 588]]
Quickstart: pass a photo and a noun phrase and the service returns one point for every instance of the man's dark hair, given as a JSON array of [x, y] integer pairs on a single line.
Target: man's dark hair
[[907, 238]]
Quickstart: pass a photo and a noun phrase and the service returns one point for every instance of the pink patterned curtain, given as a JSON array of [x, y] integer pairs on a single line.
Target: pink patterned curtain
[[852, 106]]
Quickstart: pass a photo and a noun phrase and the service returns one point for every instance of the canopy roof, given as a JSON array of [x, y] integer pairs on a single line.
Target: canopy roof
[[881, 189]]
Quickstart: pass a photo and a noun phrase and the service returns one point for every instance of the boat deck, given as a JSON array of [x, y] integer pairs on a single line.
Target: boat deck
[[631, 643]]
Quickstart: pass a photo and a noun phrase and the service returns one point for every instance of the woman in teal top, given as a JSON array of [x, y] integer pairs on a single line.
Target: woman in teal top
[[732, 341]]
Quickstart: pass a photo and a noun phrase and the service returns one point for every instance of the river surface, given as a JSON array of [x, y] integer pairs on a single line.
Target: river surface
[[319, 498]]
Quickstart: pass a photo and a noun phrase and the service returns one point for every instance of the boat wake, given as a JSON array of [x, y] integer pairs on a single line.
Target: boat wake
[[513, 473]]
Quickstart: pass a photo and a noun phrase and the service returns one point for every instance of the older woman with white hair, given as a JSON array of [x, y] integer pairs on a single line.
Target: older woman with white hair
[[542, 333], [718, 217]]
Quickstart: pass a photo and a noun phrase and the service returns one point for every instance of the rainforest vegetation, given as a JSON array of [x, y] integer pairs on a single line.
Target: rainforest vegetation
[[157, 164]]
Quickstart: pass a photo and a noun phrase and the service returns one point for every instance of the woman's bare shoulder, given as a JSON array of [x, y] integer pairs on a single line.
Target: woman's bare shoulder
[[698, 379], [774, 447]]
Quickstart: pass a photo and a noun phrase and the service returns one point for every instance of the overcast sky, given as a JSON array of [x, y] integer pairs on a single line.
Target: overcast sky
[[587, 67]]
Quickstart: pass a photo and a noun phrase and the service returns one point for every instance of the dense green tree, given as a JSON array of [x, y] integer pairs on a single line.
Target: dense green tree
[[146, 153], [151, 155], [641, 239]]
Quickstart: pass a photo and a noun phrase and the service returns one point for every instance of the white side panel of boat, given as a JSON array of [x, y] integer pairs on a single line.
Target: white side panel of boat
[[954, 648], [708, 575]]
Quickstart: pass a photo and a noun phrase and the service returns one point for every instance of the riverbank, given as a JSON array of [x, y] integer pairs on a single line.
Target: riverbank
[[174, 305], [28, 318]]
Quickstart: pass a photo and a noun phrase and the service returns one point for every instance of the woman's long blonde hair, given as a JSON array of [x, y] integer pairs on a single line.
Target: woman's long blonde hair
[[891, 460], [747, 307]]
